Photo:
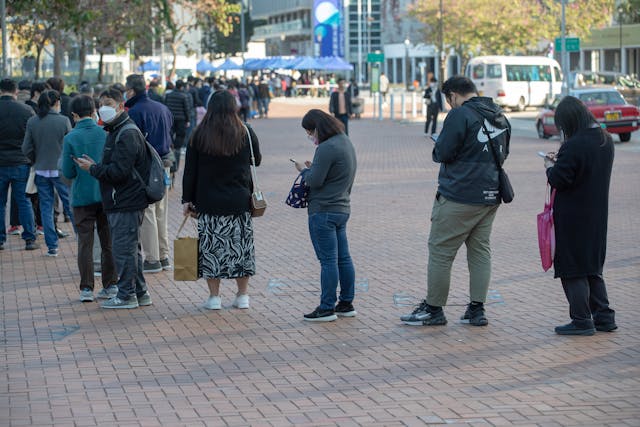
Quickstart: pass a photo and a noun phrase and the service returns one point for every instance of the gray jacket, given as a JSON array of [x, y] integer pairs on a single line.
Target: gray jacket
[[331, 176], [43, 140]]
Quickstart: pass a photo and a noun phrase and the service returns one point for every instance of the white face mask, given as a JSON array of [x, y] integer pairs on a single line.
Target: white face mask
[[107, 113], [313, 137]]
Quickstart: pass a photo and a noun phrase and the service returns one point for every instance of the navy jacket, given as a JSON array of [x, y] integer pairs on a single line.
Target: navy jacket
[[468, 172], [14, 116], [154, 121]]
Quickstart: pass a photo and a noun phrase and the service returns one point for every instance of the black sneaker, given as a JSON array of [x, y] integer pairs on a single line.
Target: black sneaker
[[573, 329], [320, 315], [345, 309], [475, 315], [1, 246], [606, 327], [61, 234], [425, 315], [31, 245]]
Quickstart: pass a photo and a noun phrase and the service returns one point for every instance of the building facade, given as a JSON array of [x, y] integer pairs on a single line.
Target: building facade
[[288, 29]]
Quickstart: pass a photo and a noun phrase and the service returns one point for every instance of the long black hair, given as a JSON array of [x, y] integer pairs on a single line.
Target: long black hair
[[47, 100], [573, 116], [326, 125], [221, 132]]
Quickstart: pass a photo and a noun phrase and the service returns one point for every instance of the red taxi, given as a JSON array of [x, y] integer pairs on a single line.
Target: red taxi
[[607, 105]]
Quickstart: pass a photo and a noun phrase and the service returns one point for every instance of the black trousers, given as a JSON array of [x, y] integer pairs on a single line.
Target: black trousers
[[588, 301], [432, 117]]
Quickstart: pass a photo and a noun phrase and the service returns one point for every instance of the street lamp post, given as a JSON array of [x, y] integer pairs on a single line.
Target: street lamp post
[[441, 41], [407, 77], [620, 10]]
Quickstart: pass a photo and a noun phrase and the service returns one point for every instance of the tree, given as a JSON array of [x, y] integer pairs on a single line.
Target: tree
[[630, 11], [229, 43], [475, 27]]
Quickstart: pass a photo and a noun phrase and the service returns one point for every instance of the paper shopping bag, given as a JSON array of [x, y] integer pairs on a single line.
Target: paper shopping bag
[[185, 257]]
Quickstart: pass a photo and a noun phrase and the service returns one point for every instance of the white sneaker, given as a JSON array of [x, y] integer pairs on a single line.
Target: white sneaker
[[213, 303], [241, 301]]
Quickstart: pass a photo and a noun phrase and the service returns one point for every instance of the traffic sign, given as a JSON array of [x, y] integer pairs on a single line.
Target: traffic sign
[[375, 57], [572, 44]]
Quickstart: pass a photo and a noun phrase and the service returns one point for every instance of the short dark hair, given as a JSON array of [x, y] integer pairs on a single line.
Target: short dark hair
[[153, 83], [572, 116], [24, 85], [118, 86], [86, 88], [8, 85], [38, 87], [433, 80], [458, 84], [325, 124], [56, 83], [112, 93], [136, 82], [83, 105], [179, 84]]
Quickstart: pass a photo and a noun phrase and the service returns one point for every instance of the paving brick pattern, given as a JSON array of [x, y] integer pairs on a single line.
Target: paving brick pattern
[[67, 363]]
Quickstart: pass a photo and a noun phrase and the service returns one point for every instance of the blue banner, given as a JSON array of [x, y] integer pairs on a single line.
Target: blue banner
[[328, 28]]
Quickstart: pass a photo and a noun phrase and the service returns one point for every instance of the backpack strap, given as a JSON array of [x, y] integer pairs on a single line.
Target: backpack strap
[[128, 126]]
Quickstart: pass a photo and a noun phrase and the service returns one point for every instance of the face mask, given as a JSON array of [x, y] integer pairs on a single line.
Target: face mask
[[313, 138], [107, 113]]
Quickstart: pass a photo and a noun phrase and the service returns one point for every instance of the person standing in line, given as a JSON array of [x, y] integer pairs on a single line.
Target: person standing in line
[[179, 103], [581, 174], [153, 91], [330, 178], [217, 187], [155, 122], [466, 201], [87, 138], [123, 198], [384, 87], [43, 146], [264, 97], [340, 105], [433, 98], [14, 165]]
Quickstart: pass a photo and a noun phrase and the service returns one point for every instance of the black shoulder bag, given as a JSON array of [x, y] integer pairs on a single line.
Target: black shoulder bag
[[504, 184]]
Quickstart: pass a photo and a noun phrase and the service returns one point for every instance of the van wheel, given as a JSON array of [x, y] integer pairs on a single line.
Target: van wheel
[[625, 137], [541, 133], [521, 104]]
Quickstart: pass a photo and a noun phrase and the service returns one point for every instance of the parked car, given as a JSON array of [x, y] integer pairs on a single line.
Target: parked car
[[607, 105], [628, 86]]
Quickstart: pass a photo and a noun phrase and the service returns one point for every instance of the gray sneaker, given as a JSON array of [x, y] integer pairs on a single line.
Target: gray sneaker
[[419, 313], [144, 299], [107, 293], [152, 267], [424, 315], [166, 264], [86, 295], [116, 302]]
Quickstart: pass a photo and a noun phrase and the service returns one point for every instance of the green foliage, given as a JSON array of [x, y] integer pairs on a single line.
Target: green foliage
[[629, 11]]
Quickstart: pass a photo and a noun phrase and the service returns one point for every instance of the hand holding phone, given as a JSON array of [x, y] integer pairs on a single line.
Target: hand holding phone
[[542, 154], [292, 160]]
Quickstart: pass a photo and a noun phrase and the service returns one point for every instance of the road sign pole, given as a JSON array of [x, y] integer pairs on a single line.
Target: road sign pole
[[563, 52]]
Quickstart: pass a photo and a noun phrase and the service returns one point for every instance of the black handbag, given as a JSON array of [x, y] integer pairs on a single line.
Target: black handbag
[[505, 188]]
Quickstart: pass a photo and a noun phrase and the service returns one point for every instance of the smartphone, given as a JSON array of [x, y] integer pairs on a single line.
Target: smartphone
[[434, 137], [292, 160], [542, 154]]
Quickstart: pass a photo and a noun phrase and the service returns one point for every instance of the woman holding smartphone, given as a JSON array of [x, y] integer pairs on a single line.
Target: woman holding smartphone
[[330, 177], [580, 172]]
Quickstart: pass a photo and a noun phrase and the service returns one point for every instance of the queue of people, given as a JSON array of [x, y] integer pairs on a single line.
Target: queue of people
[[217, 185]]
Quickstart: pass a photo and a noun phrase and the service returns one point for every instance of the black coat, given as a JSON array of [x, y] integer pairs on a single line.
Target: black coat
[[581, 178], [14, 116], [334, 103]]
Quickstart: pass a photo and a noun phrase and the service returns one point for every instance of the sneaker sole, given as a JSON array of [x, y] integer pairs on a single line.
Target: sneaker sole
[[347, 314], [155, 270], [145, 304], [580, 332], [86, 299], [241, 307], [212, 308], [423, 323], [322, 319], [51, 255], [606, 328], [120, 306], [468, 322]]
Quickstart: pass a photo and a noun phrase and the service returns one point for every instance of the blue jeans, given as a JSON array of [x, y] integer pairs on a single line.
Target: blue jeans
[[127, 252], [16, 176], [328, 233], [45, 195]]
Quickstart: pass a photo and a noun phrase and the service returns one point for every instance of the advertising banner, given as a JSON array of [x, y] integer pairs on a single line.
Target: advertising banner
[[328, 28]]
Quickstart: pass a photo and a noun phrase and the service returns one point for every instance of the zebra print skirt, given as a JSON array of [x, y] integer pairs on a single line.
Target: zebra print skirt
[[226, 246]]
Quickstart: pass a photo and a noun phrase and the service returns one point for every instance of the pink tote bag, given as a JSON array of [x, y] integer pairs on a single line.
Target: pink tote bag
[[546, 232]]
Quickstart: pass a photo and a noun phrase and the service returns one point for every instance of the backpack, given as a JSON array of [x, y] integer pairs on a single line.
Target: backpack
[[154, 184]]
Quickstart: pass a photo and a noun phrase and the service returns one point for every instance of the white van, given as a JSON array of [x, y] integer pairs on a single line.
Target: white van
[[516, 82]]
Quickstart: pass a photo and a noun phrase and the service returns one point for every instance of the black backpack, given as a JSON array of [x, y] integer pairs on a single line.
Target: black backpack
[[154, 184]]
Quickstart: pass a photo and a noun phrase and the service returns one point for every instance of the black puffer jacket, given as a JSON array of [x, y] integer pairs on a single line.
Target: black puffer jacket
[[13, 124], [121, 190], [468, 173]]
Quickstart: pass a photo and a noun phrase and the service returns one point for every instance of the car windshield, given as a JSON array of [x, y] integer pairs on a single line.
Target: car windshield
[[602, 98]]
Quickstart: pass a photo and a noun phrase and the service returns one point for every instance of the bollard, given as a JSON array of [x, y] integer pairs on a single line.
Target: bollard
[[379, 107], [403, 107], [373, 112], [424, 109], [414, 113], [391, 103]]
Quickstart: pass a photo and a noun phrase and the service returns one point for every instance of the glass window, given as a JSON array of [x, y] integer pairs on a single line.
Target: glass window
[[478, 71], [494, 71], [558, 74]]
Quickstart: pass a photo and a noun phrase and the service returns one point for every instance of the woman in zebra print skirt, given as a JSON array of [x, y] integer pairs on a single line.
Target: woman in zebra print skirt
[[217, 188]]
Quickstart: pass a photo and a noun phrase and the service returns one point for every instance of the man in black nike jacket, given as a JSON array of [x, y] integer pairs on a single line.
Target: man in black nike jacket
[[466, 201]]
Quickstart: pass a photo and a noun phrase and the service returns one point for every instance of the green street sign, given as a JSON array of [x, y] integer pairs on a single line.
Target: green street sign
[[375, 57], [572, 44]]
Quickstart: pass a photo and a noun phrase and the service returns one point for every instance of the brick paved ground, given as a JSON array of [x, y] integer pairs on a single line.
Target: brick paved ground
[[66, 363]]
